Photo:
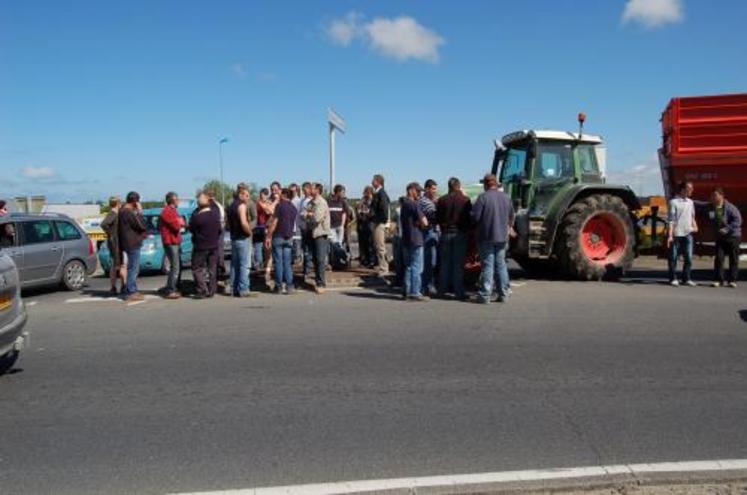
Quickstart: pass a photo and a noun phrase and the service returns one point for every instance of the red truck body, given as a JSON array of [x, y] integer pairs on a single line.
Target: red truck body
[[705, 142]]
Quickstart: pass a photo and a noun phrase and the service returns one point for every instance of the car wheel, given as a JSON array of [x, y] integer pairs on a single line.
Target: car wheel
[[7, 361], [74, 275]]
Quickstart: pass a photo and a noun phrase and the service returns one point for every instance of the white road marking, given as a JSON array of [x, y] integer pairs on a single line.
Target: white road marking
[[77, 300], [31, 303], [465, 480]]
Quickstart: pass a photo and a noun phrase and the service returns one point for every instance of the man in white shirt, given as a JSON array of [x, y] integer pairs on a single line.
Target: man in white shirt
[[682, 226]]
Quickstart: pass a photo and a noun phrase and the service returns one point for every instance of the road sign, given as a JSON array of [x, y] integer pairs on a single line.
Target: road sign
[[336, 121]]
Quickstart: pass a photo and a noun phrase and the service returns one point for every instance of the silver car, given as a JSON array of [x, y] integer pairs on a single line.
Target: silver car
[[48, 249], [12, 314]]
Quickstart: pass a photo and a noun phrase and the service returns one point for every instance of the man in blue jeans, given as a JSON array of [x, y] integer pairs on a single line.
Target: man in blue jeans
[[241, 215], [431, 236], [280, 238], [493, 214], [413, 221], [682, 226], [132, 231]]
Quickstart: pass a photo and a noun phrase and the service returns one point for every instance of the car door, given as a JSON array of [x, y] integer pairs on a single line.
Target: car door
[[9, 243], [42, 252], [69, 238]]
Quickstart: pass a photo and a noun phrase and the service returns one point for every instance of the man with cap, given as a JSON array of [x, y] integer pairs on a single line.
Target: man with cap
[[493, 215], [413, 222]]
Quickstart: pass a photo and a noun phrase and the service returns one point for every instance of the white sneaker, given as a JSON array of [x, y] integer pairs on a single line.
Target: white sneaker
[[674, 283], [733, 285], [716, 284], [690, 283]]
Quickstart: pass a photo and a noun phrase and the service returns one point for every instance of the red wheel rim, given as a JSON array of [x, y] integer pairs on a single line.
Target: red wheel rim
[[603, 238]]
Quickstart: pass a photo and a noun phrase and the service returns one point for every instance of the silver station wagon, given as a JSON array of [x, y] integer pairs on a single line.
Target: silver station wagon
[[48, 249], [12, 314]]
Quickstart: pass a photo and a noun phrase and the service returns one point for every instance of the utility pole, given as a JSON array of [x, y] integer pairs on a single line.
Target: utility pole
[[336, 123]]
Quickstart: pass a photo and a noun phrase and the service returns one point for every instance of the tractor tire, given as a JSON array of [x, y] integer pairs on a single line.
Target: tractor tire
[[596, 239]]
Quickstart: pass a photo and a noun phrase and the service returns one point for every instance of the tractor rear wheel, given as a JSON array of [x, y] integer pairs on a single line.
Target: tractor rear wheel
[[596, 239]]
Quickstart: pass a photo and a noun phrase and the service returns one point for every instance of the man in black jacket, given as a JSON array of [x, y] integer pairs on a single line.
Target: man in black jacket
[[727, 224], [380, 222], [132, 231], [206, 227]]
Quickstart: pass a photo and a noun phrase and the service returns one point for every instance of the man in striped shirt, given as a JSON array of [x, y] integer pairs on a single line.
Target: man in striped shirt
[[427, 204]]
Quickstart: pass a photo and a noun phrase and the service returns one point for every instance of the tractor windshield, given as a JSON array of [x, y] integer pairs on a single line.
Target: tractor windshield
[[558, 159]]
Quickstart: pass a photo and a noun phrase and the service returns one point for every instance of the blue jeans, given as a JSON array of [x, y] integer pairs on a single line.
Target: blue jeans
[[258, 255], [683, 246], [133, 269], [430, 259], [282, 255], [413, 261], [240, 254], [493, 269], [453, 250]]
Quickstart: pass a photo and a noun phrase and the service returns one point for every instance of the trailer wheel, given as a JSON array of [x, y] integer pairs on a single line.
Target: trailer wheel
[[596, 239]]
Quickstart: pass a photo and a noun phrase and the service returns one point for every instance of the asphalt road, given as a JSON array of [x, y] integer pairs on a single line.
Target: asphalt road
[[216, 394]]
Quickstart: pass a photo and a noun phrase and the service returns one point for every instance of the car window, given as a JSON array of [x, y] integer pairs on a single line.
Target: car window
[[66, 231], [151, 223], [37, 231], [7, 235]]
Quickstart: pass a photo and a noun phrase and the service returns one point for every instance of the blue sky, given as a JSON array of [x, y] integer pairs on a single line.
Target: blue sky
[[99, 98]]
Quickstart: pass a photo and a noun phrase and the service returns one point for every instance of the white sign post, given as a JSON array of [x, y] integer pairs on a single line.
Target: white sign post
[[336, 122]]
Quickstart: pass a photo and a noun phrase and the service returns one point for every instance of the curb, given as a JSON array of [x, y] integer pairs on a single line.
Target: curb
[[542, 480]]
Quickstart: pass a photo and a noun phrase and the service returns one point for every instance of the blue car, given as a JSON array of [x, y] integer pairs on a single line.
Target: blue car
[[152, 255]]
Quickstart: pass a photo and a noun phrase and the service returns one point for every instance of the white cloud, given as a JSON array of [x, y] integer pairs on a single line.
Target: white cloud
[[644, 177], [653, 13], [401, 38], [342, 31], [239, 70], [38, 172]]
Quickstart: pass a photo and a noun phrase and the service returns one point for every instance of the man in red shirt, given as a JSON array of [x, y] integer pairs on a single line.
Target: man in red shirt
[[170, 225]]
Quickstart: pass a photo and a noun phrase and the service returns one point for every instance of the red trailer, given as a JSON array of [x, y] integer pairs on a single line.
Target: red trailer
[[705, 142]]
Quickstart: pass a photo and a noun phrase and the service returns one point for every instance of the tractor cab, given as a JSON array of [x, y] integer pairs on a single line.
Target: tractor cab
[[533, 165]]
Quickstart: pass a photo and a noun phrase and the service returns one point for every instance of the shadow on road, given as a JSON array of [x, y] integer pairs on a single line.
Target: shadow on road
[[743, 315], [374, 295]]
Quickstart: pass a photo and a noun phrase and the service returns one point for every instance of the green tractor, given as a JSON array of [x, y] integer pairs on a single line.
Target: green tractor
[[567, 217]]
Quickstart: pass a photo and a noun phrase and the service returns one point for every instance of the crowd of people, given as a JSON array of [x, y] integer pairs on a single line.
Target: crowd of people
[[299, 225]]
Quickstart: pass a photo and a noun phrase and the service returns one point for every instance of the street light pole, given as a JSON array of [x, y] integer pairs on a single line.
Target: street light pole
[[331, 156], [336, 123], [221, 142]]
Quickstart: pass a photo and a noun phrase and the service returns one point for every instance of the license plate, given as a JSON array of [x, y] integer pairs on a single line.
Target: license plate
[[5, 302]]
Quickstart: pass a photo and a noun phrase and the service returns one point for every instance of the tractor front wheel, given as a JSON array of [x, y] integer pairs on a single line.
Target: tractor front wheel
[[596, 238]]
